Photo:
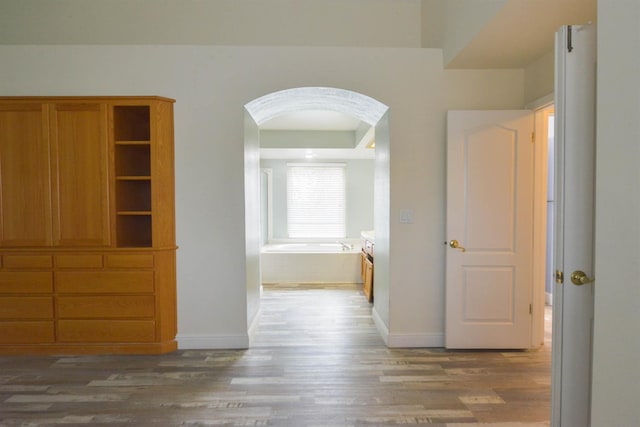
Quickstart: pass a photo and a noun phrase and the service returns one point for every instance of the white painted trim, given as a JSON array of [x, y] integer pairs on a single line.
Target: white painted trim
[[406, 340], [548, 298], [285, 101], [208, 341], [382, 328], [540, 103], [254, 324], [416, 340], [269, 174], [541, 116]]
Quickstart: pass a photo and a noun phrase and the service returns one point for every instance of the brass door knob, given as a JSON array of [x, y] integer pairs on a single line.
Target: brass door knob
[[456, 245], [580, 278]]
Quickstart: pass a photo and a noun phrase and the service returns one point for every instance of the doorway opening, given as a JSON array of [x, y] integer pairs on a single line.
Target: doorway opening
[[544, 222], [267, 163]]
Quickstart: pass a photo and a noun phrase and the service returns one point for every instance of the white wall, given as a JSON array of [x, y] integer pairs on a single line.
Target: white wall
[[388, 23], [539, 77], [253, 235], [462, 21], [432, 23], [616, 345], [211, 86], [359, 195]]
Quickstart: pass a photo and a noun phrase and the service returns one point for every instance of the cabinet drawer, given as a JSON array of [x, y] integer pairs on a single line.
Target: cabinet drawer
[[79, 261], [92, 307], [129, 261], [26, 282], [26, 332], [27, 261], [106, 331], [104, 281], [26, 308]]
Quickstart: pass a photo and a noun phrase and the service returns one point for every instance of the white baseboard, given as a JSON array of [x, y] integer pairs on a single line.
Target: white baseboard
[[382, 328], [406, 340], [416, 340], [204, 341], [254, 326]]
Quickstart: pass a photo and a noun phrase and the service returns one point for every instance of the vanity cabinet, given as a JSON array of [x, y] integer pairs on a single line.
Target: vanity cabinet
[[367, 266], [87, 225]]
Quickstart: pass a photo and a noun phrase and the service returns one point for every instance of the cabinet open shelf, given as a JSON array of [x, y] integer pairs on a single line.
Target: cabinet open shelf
[[133, 159], [131, 123], [134, 230], [132, 145], [133, 195]]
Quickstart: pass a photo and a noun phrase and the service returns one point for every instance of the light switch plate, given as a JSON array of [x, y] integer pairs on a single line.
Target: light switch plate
[[406, 216]]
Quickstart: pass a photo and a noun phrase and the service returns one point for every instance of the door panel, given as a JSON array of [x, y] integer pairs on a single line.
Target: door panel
[[490, 163], [79, 140], [489, 213], [25, 196], [575, 171]]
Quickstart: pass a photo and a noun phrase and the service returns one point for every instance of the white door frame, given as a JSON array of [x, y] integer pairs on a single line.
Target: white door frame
[[542, 110]]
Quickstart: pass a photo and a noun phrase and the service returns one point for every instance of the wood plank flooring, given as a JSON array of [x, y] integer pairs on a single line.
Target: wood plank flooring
[[316, 360]]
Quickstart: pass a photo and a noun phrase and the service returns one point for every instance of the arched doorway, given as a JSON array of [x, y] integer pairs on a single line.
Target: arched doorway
[[366, 109]]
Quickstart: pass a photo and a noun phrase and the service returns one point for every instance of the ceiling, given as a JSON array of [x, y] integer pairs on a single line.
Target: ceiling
[[521, 32], [315, 120]]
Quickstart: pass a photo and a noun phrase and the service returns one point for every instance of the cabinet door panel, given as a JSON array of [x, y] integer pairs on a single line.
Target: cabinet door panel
[[79, 261], [27, 261], [368, 280], [80, 163], [26, 282], [93, 331], [105, 307], [104, 282], [32, 332], [25, 195], [12, 308], [129, 261]]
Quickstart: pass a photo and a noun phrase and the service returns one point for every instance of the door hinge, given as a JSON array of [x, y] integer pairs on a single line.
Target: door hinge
[[530, 308], [569, 41], [533, 137], [559, 277]]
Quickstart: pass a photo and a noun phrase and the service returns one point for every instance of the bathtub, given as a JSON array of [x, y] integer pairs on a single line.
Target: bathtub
[[311, 262]]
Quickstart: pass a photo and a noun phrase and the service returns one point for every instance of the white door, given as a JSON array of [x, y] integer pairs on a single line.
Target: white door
[[575, 165], [489, 229]]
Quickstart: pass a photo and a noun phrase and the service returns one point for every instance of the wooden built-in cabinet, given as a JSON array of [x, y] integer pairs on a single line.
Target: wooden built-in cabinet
[[87, 225]]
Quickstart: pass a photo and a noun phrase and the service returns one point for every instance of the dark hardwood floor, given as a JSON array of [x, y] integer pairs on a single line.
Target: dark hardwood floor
[[316, 360]]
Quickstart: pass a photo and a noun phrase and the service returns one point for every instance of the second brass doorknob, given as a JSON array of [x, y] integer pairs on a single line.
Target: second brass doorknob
[[579, 278]]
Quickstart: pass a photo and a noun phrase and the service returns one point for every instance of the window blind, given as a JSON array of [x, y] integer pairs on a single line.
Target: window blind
[[316, 199]]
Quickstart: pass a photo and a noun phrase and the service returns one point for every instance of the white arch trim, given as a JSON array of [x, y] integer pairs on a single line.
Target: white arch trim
[[275, 104]]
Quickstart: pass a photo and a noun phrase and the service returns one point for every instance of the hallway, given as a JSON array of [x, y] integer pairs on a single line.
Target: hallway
[[316, 360]]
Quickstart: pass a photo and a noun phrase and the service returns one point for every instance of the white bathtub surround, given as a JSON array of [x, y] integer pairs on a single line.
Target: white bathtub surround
[[314, 262]]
